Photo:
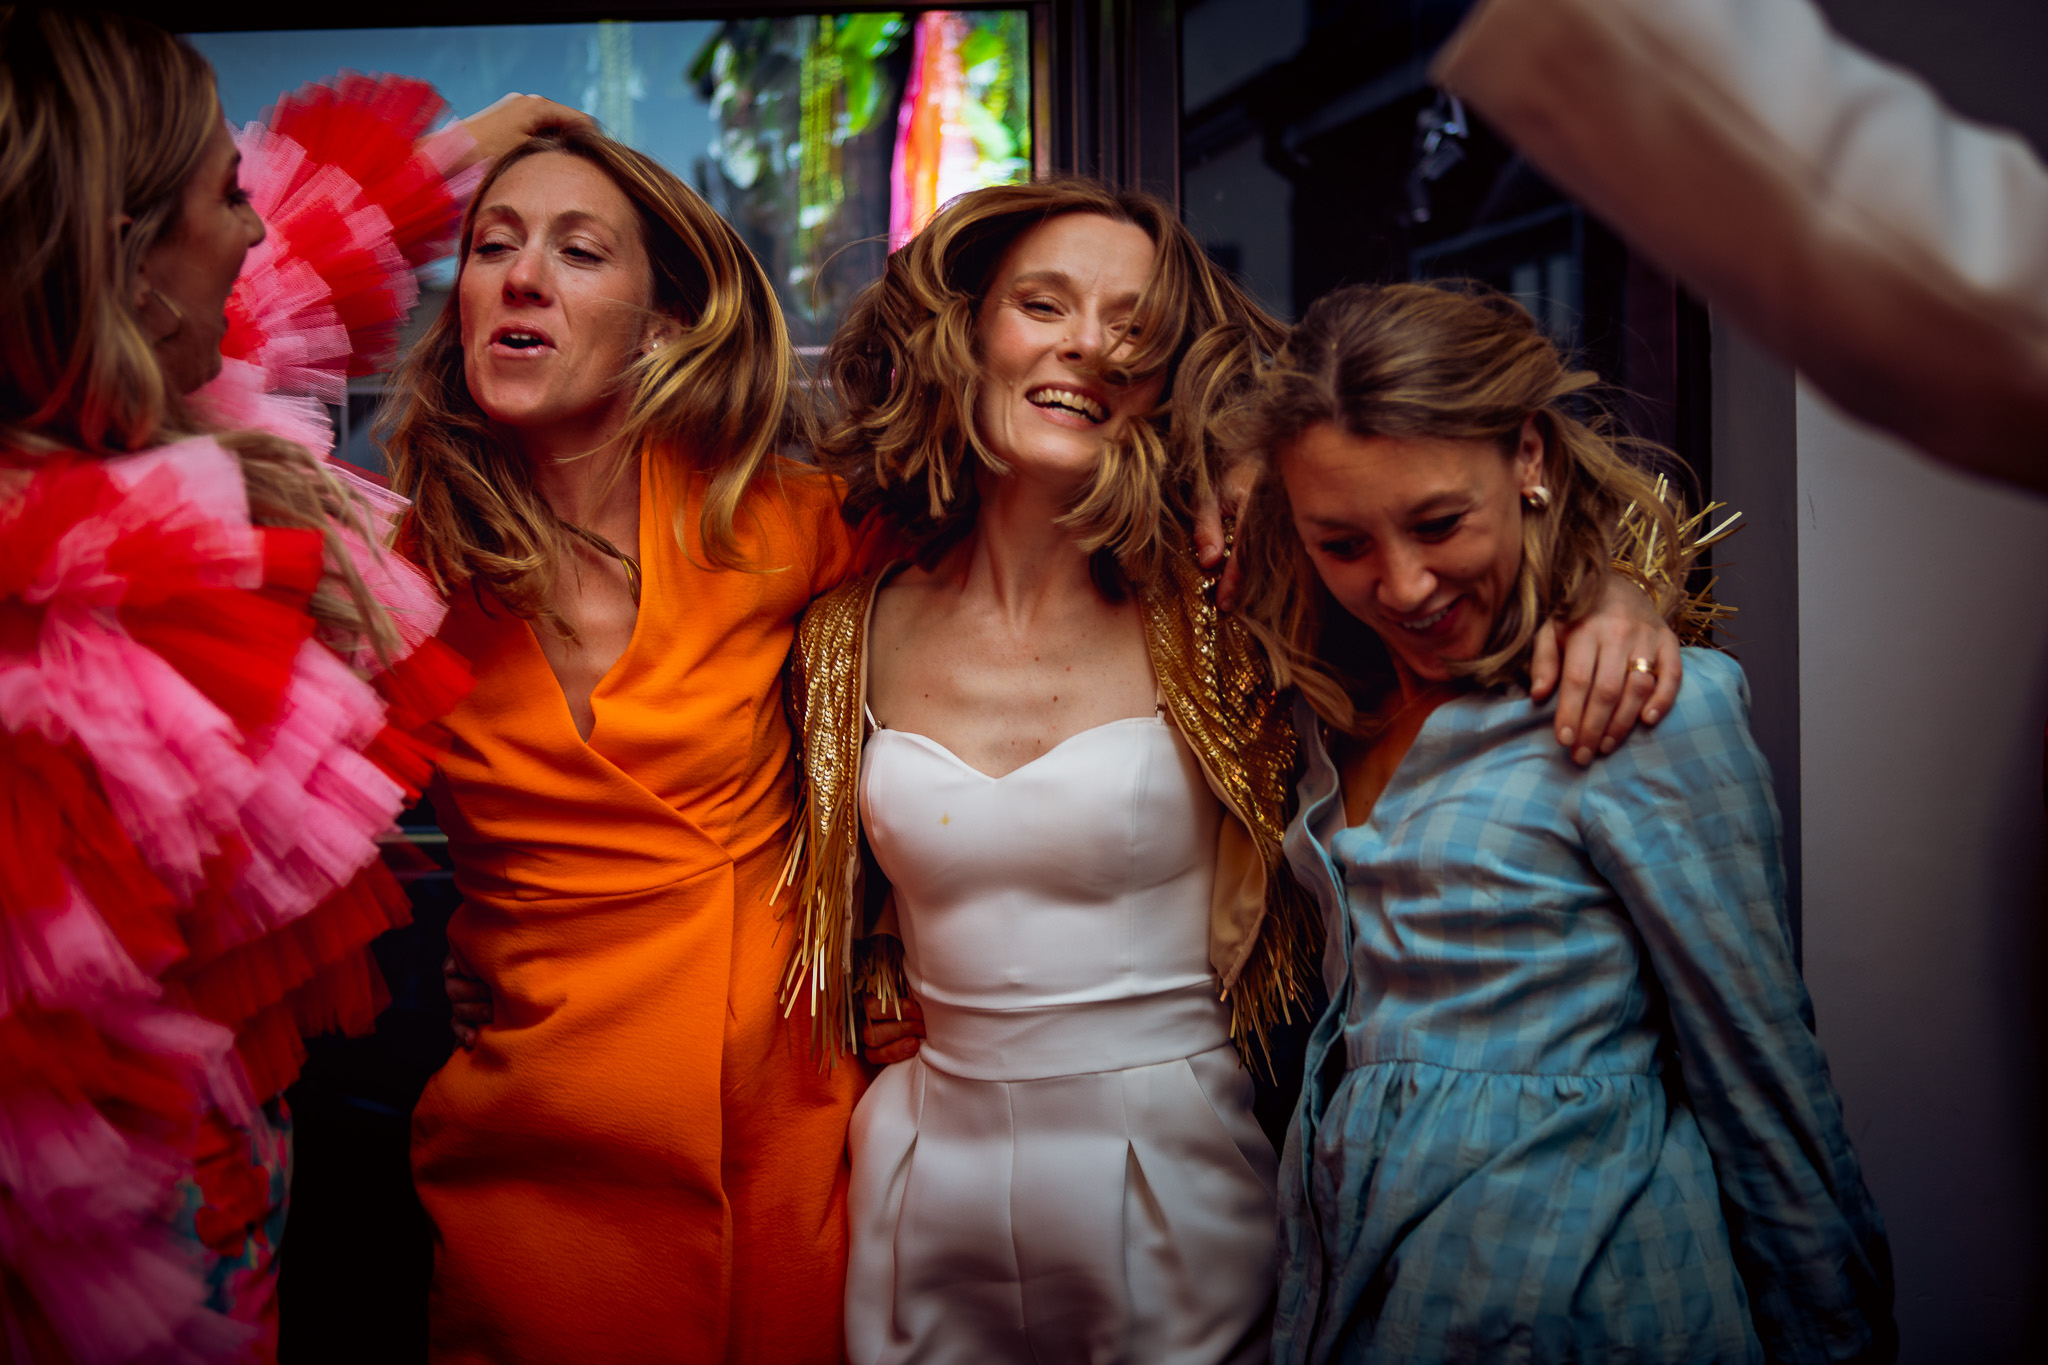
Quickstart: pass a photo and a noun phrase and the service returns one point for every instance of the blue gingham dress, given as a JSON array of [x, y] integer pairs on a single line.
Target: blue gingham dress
[[1566, 1103]]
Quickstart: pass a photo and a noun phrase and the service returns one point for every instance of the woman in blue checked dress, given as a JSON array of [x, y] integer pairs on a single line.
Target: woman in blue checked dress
[[1566, 1102]]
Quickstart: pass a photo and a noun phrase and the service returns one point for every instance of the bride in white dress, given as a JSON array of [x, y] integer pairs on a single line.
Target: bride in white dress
[[1069, 1169]]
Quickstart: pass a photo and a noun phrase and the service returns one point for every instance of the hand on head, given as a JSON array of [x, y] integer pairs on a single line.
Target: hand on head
[[1217, 517], [515, 118]]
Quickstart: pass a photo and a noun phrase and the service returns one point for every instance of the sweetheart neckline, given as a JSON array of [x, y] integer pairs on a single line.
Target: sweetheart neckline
[[935, 745]]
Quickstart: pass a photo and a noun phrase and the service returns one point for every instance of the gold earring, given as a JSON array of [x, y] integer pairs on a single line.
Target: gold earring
[[1536, 498]]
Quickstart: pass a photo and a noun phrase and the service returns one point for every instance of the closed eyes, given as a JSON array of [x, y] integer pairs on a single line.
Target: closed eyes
[[1438, 528], [492, 248]]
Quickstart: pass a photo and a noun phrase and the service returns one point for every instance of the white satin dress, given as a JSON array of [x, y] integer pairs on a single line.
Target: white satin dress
[[1069, 1169]]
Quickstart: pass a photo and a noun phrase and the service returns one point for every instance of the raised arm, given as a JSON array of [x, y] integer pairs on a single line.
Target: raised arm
[[498, 128], [357, 190], [1893, 252], [1681, 823]]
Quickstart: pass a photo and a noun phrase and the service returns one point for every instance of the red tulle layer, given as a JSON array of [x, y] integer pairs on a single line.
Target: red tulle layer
[[58, 832], [353, 200], [313, 969], [191, 795], [260, 969], [192, 787], [370, 128]]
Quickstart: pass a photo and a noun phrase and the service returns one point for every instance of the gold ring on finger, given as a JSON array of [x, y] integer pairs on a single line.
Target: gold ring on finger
[[1639, 664]]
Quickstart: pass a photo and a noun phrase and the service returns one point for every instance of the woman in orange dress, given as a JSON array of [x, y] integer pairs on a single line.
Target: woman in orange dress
[[642, 1159]]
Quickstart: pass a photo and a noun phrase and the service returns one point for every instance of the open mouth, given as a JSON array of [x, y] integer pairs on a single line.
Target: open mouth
[[524, 339], [1056, 399]]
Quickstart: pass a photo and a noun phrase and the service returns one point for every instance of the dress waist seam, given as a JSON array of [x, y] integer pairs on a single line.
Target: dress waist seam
[[981, 1078], [1075, 1040]]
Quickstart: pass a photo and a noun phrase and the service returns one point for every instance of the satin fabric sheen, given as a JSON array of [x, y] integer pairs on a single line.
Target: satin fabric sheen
[[1069, 1170]]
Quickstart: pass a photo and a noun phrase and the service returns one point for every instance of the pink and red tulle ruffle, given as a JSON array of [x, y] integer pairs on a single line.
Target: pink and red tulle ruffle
[[354, 195], [189, 872], [193, 787]]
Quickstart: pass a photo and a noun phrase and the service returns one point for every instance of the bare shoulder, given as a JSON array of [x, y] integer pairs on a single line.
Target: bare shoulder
[[919, 639], [912, 601]]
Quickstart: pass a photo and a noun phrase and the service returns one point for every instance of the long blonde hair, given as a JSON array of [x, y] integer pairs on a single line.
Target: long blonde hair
[[1458, 361], [105, 117], [101, 117], [718, 397], [905, 373]]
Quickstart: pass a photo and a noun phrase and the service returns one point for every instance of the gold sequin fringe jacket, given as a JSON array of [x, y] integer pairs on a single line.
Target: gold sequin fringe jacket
[[1216, 687]]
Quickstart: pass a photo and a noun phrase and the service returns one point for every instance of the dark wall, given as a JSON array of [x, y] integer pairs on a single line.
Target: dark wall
[[1924, 686], [1316, 154], [1983, 56]]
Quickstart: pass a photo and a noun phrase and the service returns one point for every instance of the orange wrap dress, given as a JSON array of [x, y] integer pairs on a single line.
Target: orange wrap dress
[[641, 1159]]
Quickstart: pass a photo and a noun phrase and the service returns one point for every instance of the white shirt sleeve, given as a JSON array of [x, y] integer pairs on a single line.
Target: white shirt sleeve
[[1826, 201]]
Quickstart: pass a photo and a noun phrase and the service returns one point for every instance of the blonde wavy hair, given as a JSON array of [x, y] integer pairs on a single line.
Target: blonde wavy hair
[[904, 371], [718, 396], [1450, 361], [105, 118]]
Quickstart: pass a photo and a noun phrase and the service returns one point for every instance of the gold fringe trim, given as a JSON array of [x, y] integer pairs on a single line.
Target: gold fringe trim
[[1216, 684], [878, 971], [822, 694], [1638, 555], [1274, 983], [1218, 688]]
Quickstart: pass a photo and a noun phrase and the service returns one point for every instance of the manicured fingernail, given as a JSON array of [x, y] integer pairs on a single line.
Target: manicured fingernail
[[1582, 755], [1566, 736], [1651, 715], [1607, 745]]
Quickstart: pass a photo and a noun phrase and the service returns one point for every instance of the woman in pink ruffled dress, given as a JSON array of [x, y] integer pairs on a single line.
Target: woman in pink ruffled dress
[[216, 690]]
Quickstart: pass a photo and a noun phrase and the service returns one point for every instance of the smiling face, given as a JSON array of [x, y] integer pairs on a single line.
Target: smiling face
[[1059, 303], [554, 300], [192, 266], [1420, 538]]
